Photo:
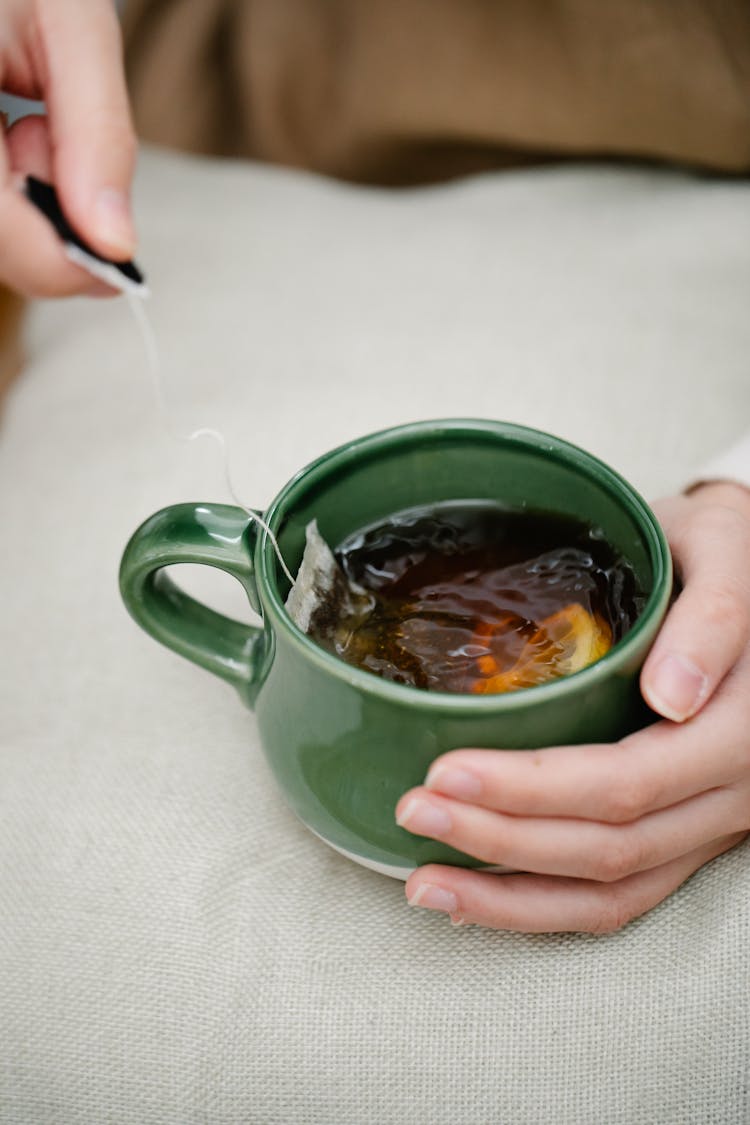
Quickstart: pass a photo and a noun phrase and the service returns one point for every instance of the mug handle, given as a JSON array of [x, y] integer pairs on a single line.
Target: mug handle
[[214, 534]]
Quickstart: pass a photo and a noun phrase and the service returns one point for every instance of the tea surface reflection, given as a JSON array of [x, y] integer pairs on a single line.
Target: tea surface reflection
[[471, 596]]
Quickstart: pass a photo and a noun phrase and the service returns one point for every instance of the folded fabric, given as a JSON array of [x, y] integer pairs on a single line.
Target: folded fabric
[[416, 90]]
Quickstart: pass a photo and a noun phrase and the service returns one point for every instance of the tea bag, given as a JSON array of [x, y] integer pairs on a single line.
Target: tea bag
[[322, 601]]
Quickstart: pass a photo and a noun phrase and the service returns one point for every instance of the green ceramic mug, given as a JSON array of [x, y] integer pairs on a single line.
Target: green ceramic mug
[[344, 744]]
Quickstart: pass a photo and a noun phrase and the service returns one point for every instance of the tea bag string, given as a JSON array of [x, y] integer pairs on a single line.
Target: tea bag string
[[152, 357]]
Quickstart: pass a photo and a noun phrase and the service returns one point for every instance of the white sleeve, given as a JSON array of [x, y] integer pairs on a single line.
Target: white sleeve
[[732, 465]]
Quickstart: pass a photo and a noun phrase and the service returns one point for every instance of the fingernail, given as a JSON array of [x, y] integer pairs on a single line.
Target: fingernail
[[434, 898], [424, 819], [676, 688], [454, 782], [114, 222]]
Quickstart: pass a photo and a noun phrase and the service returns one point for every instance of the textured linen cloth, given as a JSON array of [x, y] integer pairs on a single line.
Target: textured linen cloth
[[175, 948]]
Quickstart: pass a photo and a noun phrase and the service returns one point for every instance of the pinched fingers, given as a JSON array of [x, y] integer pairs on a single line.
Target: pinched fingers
[[69, 53], [32, 260], [94, 142], [545, 904]]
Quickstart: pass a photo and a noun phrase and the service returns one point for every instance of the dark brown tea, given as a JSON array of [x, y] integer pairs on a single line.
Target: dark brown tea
[[469, 596]]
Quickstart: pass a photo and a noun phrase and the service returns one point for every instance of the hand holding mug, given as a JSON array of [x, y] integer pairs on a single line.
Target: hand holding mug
[[608, 831]]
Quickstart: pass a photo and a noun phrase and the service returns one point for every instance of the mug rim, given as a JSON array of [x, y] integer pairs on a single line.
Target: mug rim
[[462, 703]]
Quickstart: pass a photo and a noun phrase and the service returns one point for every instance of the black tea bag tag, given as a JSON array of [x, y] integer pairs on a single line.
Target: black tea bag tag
[[125, 276]]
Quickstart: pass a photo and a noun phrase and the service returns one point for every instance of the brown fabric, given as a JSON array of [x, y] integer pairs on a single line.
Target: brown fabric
[[399, 91], [11, 312], [10, 322]]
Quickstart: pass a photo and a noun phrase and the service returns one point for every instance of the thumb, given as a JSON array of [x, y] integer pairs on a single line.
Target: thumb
[[708, 627], [92, 135]]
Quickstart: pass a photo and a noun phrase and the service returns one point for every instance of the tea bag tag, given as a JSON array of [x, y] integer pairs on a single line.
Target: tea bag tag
[[125, 276]]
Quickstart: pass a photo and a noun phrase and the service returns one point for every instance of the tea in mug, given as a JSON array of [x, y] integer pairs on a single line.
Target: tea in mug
[[470, 596]]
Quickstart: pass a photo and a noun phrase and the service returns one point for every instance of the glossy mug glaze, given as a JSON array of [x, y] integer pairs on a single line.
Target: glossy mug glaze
[[343, 744]]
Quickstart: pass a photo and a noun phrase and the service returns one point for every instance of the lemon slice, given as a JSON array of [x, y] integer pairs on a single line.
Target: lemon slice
[[563, 643]]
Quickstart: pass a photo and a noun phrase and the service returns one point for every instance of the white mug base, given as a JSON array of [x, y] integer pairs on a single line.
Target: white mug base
[[394, 871]]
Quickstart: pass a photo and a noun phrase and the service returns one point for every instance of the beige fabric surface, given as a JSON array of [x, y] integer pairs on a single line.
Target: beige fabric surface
[[175, 949]]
